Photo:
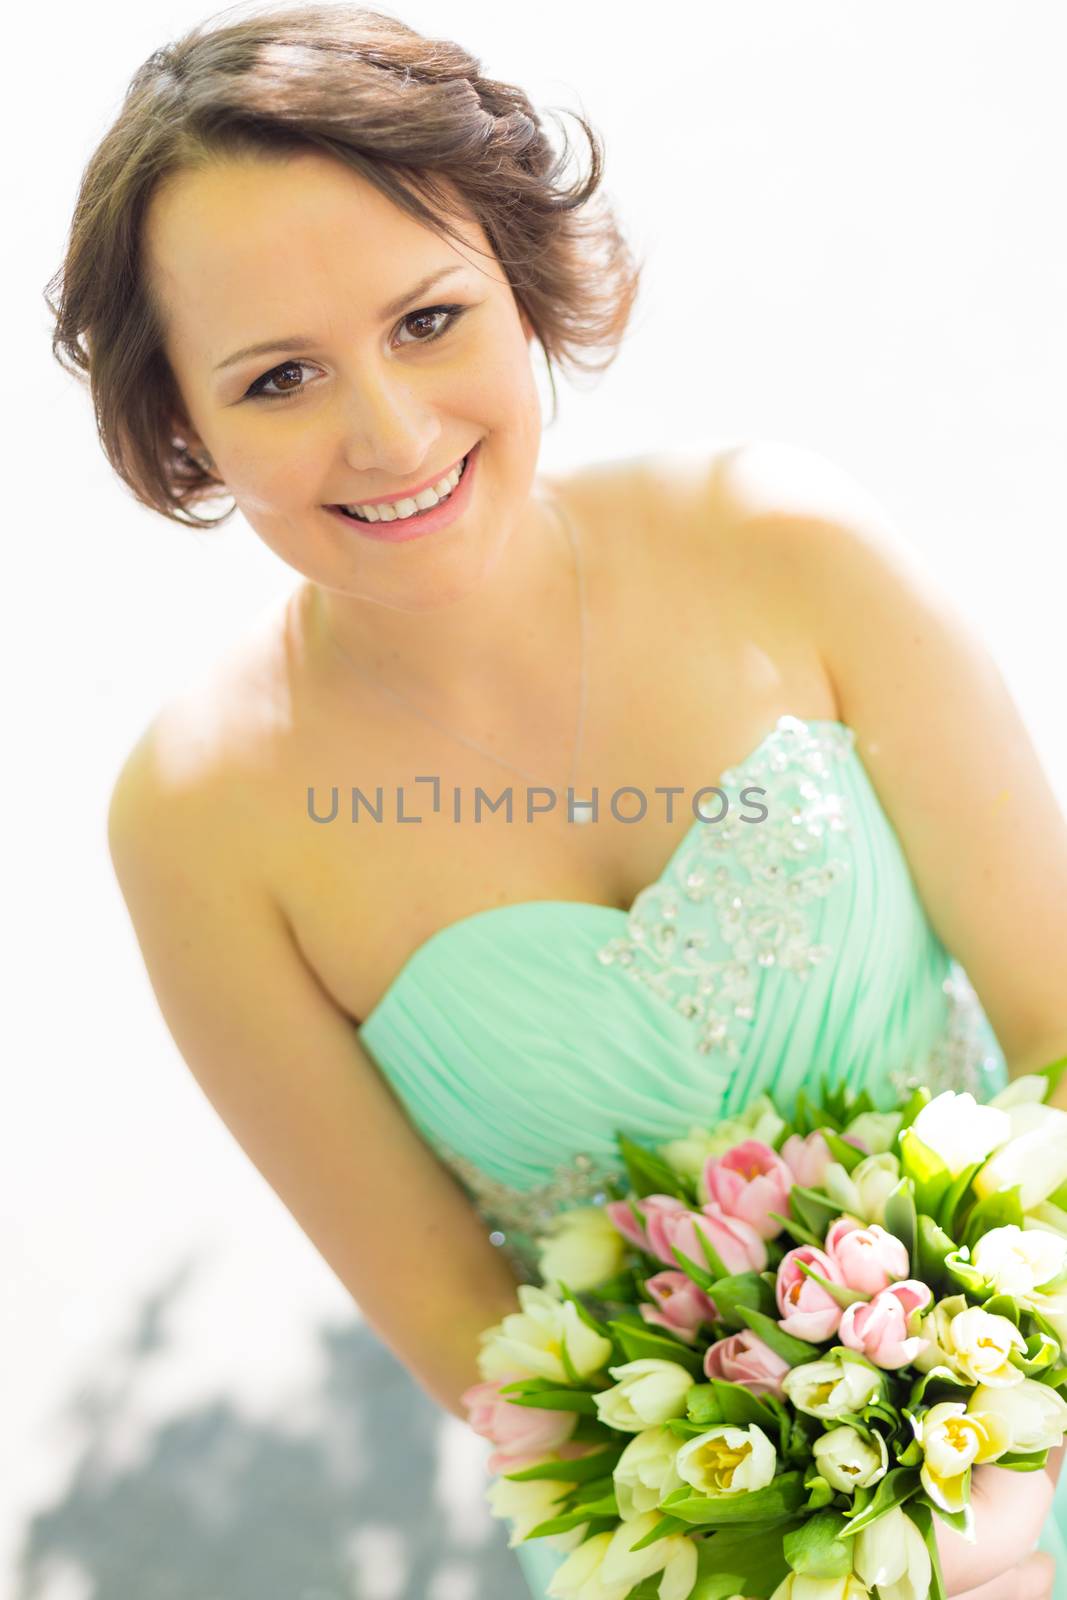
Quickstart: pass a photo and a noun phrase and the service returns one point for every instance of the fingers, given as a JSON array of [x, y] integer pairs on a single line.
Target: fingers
[[1032, 1579]]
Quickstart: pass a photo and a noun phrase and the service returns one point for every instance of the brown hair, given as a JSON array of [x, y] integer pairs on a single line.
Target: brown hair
[[403, 111]]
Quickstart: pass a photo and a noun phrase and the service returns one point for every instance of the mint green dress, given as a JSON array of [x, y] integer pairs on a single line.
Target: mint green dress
[[783, 941]]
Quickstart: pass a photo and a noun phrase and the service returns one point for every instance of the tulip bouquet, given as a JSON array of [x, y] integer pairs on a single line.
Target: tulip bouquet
[[769, 1362]]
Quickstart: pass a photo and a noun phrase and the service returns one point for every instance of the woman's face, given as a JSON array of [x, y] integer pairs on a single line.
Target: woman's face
[[354, 400]]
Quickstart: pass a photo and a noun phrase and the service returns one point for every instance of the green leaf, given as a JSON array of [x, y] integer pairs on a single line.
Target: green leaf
[[747, 1289], [1054, 1073], [1023, 1463], [846, 1154], [776, 1500], [900, 1216], [641, 1344], [662, 1530], [815, 1548], [797, 1230], [920, 1096], [957, 1193], [702, 1405], [740, 1406], [898, 1485], [552, 1398], [567, 1520], [733, 1561], [838, 1291], [816, 1211], [715, 1262], [795, 1351], [922, 1517], [945, 1383], [700, 1275], [995, 1211], [931, 1177], [933, 1245], [584, 1314], [579, 1471], [649, 1173]]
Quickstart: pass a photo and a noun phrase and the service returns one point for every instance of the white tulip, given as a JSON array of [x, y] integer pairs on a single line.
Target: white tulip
[[675, 1556], [892, 1553], [727, 1460], [579, 1577], [877, 1130], [1034, 1415], [797, 1586], [959, 1130], [581, 1248], [953, 1440], [649, 1392], [529, 1342], [1046, 1215], [524, 1505], [1035, 1162], [1018, 1261], [832, 1387], [974, 1343], [646, 1473], [849, 1461], [863, 1192], [1031, 1086]]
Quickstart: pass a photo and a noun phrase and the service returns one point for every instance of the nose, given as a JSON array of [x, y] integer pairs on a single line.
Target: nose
[[386, 427]]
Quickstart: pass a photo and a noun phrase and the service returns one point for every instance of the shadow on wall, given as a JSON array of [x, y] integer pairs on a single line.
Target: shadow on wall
[[217, 1506]]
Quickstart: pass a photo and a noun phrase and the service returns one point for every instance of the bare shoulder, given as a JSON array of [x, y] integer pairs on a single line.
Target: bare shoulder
[[194, 775]]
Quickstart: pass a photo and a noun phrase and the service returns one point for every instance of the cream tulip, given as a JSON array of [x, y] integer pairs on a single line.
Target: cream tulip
[[1035, 1162], [727, 1460], [1018, 1261], [848, 1460], [953, 1440], [524, 1505], [976, 1344], [649, 1392], [832, 1387], [959, 1130], [1033, 1415], [798, 1586], [646, 1473], [877, 1130], [675, 1556], [892, 1553], [579, 1577], [864, 1191], [530, 1342], [581, 1248]]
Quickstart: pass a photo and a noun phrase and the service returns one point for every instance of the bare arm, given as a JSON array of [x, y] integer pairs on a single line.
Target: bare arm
[[282, 1065]]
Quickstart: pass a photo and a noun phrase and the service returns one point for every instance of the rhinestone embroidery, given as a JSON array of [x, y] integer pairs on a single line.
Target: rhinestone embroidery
[[961, 1058], [757, 876]]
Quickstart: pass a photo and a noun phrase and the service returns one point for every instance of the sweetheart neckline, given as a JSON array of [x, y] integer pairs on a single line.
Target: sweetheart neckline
[[592, 905]]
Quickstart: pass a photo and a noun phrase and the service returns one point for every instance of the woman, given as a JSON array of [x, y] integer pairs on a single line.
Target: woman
[[285, 211]]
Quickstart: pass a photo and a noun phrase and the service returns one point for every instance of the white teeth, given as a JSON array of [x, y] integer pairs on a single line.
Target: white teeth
[[399, 509]]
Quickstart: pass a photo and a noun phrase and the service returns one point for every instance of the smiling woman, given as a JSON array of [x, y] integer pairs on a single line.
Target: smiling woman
[[426, 1040]]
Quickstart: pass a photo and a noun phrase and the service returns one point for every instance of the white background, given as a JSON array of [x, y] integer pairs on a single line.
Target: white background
[[854, 243]]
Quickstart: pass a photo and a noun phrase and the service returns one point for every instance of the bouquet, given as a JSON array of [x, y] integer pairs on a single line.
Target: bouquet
[[775, 1356]]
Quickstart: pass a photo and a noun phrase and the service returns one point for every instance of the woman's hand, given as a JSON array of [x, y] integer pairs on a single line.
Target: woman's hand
[[1009, 1512]]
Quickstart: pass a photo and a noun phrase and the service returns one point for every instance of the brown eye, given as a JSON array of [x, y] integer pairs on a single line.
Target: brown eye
[[278, 375]]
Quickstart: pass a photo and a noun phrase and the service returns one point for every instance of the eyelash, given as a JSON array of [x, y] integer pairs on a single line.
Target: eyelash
[[452, 314]]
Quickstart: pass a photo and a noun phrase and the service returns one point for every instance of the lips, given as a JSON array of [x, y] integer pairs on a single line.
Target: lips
[[410, 494]]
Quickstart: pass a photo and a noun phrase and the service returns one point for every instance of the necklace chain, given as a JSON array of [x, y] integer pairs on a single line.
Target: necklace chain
[[579, 811]]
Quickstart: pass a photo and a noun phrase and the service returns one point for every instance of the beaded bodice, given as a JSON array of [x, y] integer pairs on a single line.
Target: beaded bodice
[[771, 950]]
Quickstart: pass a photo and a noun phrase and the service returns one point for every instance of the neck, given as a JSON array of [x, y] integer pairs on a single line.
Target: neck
[[514, 611]]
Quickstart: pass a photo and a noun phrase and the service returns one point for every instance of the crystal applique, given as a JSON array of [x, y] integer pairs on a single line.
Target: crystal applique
[[757, 877], [962, 1057]]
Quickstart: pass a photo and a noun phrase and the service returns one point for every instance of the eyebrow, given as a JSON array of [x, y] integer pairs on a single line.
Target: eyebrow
[[297, 341]]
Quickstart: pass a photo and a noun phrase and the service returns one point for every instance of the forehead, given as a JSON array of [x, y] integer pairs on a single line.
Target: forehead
[[243, 240]]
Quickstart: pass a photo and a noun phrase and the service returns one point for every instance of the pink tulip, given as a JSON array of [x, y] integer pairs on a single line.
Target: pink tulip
[[744, 1358], [622, 1216], [680, 1305], [737, 1244], [749, 1182], [878, 1328], [807, 1159], [808, 1310], [522, 1434], [870, 1258]]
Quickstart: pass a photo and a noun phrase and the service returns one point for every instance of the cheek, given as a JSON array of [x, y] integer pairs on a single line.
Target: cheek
[[278, 477]]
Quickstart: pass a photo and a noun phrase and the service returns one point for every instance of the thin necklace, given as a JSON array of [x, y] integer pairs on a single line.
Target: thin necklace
[[577, 810]]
